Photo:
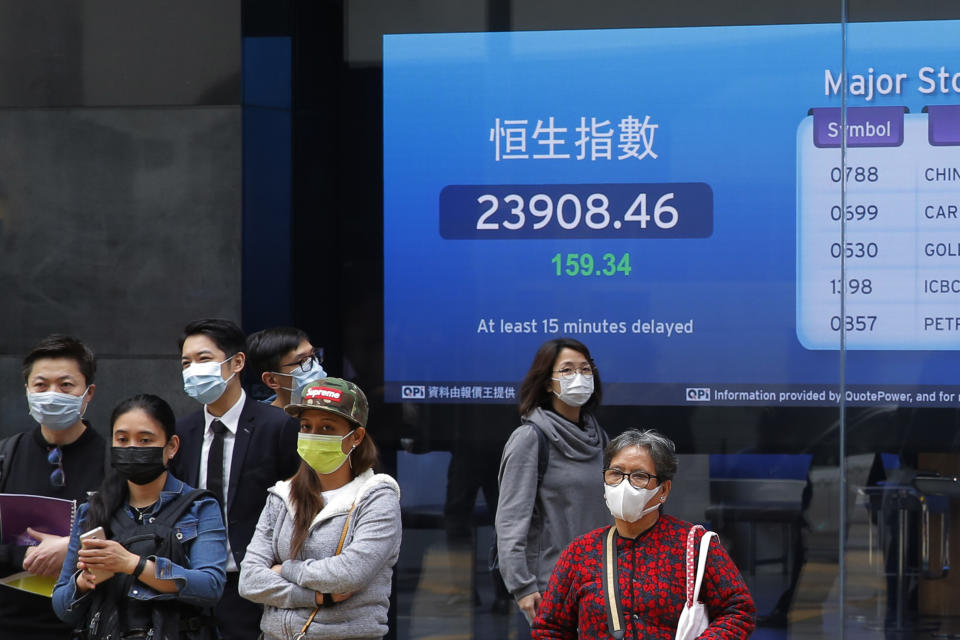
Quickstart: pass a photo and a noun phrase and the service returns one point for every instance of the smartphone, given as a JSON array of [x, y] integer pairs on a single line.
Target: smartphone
[[93, 534], [96, 533]]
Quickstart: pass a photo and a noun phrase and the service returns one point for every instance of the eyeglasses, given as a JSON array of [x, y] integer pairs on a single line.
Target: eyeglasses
[[57, 477], [305, 363], [568, 372], [638, 479]]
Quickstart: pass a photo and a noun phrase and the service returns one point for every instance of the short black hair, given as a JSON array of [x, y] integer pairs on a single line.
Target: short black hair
[[266, 348], [228, 337], [58, 345]]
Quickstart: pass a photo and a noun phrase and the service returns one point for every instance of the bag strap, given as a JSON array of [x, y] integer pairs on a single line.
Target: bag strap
[[170, 514], [343, 534], [8, 447], [543, 455], [611, 586], [702, 564], [316, 609], [543, 451], [689, 556], [306, 625]]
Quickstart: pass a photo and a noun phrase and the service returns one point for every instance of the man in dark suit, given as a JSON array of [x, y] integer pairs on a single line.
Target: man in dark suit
[[235, 447]]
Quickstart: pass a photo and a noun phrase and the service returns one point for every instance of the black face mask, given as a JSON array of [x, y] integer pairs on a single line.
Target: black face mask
[[139, 465]]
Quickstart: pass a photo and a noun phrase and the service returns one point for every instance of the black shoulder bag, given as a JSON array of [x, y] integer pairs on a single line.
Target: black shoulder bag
[[113, 615]]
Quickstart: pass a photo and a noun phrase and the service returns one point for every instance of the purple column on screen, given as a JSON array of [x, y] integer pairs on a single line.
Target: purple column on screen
[[943, 125], [866, 127]]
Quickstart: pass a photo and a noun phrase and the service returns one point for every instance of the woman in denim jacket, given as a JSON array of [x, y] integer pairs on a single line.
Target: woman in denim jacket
[[121, 588]]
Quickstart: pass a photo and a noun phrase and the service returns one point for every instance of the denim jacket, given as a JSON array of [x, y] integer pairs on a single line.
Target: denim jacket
[[200, 583]]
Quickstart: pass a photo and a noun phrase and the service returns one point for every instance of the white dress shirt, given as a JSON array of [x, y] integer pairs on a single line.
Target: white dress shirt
[[231, 420]]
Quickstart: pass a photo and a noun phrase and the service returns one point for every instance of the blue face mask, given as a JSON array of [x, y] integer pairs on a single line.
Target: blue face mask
[[300, 377], [55, 410], [203, 382]]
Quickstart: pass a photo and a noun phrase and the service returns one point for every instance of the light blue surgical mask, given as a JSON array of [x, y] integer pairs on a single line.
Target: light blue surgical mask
[[55, 410], [203, 382], [301, 377]]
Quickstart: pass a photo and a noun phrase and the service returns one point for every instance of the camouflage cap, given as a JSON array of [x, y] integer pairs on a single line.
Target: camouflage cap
[[335, 395]]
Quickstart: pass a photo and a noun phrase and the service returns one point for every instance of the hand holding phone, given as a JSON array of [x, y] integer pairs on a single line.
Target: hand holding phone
[[94, 534]]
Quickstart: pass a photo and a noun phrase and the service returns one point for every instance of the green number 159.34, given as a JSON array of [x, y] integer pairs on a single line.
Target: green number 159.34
[[584, 264]]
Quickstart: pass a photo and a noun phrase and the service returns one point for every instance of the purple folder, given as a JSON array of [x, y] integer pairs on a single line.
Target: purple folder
[[48, 515]]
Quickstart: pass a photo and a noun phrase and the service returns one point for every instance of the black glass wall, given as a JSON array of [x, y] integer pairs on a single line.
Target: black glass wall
[[787, 296], [800, 444], [120, 175]]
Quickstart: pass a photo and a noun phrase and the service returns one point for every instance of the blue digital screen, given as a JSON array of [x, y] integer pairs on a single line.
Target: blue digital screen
[[670, 198]]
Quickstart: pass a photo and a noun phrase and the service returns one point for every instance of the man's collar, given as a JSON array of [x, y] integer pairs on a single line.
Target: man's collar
[[231, 418]]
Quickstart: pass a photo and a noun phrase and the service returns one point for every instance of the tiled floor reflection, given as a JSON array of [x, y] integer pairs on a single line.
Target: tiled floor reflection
[[440, 598], [815, 613]]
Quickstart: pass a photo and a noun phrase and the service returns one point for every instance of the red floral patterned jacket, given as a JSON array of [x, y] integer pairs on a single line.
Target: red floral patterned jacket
[[652, 576]]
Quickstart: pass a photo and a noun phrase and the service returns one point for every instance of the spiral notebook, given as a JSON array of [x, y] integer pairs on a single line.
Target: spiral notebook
[[40, 513]]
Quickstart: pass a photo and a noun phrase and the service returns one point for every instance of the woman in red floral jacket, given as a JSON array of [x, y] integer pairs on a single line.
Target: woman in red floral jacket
[[638, 471]]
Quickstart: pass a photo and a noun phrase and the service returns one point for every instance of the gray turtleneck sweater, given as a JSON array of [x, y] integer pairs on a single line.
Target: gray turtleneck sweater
[[534, 527]]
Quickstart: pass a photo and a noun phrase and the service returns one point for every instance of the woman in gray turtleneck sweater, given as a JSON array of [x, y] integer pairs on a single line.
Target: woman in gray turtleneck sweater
[[535, 523]]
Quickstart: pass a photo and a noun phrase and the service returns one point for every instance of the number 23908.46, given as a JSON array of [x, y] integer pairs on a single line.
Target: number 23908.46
[[569, 212]]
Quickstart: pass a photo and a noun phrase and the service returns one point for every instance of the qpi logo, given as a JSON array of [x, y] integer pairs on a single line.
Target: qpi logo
[[413, 392], [698, 394]]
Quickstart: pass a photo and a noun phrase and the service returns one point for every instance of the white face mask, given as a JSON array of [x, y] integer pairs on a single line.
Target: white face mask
[[627, 503], [575, 391]]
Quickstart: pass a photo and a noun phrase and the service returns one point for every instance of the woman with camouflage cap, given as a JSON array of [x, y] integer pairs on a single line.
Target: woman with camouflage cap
[[322, 556]]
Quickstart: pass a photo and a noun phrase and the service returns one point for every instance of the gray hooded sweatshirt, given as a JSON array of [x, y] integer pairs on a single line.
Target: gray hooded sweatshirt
[[364, 566], [534, 527]]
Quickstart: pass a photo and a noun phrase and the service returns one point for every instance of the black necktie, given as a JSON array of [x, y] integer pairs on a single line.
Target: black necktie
[[215, 462]]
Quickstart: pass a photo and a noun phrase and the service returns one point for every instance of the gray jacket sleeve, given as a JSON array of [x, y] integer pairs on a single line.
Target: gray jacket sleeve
[[258, 582], [518, 496], [373, 544]]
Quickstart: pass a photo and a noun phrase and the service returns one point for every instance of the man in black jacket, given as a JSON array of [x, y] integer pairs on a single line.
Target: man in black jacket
[[235, 447], [60, 457]]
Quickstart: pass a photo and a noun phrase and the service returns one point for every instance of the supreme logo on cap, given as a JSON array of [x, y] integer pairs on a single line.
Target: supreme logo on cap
[[323, 393]]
